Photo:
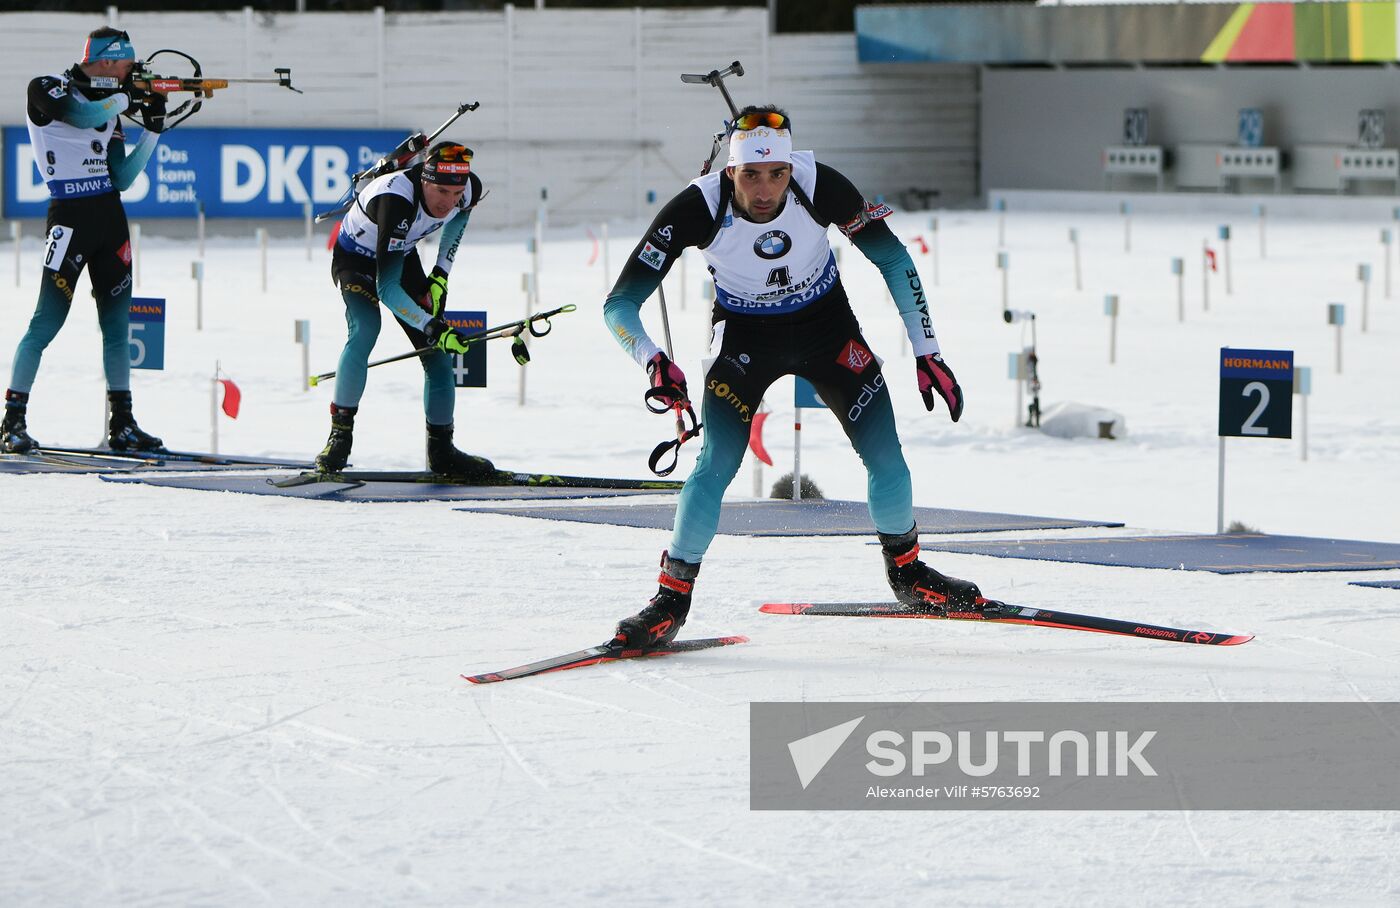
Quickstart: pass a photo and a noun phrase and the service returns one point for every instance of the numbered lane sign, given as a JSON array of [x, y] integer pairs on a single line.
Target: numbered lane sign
[[468, 369], [1256, 393], [804, 395], [146, 333]]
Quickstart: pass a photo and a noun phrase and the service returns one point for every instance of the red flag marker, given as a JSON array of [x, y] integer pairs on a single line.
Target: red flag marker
[[330, 240], [1210, 258], [232, 397], [756, 439]]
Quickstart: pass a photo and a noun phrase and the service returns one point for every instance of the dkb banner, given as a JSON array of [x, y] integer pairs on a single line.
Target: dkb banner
[[235, 173], [1074, 756]]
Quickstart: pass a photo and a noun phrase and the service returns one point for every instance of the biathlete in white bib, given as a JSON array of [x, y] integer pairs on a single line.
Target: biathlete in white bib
[[82, 156], [780, 309], [376, 261]]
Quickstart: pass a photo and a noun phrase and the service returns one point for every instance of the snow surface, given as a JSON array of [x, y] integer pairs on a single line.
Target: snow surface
[[225, 699]]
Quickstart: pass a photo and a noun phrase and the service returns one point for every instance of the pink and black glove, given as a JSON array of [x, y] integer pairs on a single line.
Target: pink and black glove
[[935, 376], [667, 384]]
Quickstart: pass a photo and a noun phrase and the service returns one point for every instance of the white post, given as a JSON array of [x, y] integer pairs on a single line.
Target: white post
[[757, 477], [1110, 308], [1225, 251], [1016, 371], [933, 247], [1078, 276], [797, 454], [1302, 386], [1363, 274], [136, 254], [197, 272], [214, 411], [527, 284], [1004, 266], [1179, 269], [1001, 222], [199, 227], [262, 253], [15, 234], [1386, 237], [310, 227], [1337, 316], [1263, 245], [303, 337], [1220, 492], [1127, 211]]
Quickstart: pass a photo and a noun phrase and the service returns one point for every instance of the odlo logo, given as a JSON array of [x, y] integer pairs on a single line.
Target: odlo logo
[[867, 394]]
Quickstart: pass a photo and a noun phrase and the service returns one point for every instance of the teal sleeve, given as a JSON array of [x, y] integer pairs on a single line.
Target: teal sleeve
[[388, 284], [124, 167], [884, 250], [623, 313], [86, 114], [451, 238]]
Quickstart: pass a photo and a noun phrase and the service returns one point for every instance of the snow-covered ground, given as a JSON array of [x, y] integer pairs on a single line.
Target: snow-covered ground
[[226, 699]]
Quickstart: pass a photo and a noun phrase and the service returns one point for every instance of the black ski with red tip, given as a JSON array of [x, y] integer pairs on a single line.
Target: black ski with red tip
[[1004, 613], [611, 651]]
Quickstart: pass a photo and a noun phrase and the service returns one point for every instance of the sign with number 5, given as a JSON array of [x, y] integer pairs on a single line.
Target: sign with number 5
[[1256, 393], [146, 333]]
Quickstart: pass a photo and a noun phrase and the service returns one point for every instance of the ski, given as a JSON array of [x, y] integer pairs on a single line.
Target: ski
[[164, 456], [1005, 613], [306, 479], [499, 478], [611, 651]]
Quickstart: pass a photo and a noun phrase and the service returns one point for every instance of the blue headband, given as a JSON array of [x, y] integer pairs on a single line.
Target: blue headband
[[116, 47]]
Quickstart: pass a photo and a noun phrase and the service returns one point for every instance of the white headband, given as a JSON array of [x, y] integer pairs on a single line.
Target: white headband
[[760, 146]]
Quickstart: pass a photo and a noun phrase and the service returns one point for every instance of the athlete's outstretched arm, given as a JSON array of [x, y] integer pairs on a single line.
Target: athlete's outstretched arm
[[838, 200], [49, 100], [684, 221]]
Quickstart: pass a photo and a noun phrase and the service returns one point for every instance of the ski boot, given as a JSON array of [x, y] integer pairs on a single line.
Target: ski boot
[[336, 454], [661, 620], [918, 586], [446, 460], [122, 432], [14, 434]]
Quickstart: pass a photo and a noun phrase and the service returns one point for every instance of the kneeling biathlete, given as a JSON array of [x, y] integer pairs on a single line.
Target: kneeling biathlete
[[780, 309]]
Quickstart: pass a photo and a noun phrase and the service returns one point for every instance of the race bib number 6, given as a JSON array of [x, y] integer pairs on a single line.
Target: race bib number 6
[[56, 246]]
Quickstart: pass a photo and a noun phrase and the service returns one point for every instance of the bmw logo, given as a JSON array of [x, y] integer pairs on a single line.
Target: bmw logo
[[773, 244]]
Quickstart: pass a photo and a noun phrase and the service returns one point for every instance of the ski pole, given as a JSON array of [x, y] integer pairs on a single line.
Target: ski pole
[[680, 405], [509, 329]]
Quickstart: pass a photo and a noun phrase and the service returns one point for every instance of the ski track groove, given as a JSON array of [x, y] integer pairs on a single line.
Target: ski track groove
[[510, 749]]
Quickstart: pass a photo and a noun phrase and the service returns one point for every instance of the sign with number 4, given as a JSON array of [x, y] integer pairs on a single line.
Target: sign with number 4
[[146, 333], [1256, 393]]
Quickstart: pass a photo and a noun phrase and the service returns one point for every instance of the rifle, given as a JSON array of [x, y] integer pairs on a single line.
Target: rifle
[[144, 80], [401, 157], [715, 77]]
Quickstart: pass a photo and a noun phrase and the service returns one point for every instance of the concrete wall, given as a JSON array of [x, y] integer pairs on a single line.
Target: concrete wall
[[586, 103], [1045, 129]]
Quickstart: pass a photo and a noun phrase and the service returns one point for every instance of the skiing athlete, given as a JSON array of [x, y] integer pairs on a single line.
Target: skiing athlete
[[81, 151], [376, 260], [780, 309]]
